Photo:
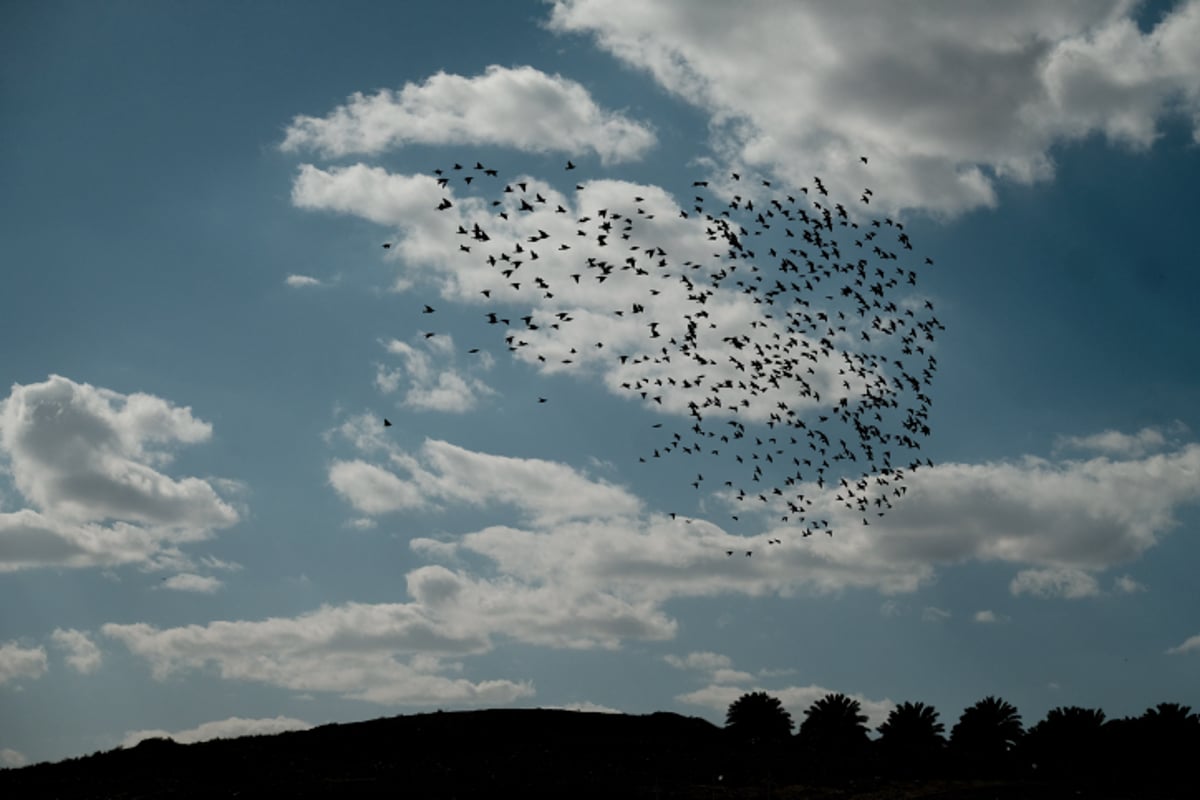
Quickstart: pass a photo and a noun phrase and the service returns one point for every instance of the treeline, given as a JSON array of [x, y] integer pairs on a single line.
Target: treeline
[[1072, 744]]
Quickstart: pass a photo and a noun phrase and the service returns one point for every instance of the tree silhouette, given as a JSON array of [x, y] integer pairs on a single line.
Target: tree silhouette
[[911, 738], [758, 717], [984, 737], [1169, 738], [1066, 742], [833, 735]]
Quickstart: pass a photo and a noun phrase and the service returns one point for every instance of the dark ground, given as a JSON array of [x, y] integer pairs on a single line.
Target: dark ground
[[511, 753]]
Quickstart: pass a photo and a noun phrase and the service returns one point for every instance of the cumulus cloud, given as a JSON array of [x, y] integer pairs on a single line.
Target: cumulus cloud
[[301, 281], [1082, 515], [590, 567], [1061, 522], [522, 108], [986, 616], [229, 728], [943, 98], [18, 662], [89, 460], [12, 758], [82, 653]]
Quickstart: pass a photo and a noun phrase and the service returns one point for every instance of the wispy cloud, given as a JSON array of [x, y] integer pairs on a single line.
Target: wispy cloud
[[431, 379], [190, 582], [1055, 582]]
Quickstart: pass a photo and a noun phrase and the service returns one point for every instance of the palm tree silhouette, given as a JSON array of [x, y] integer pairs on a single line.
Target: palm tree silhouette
[[1169, 738], [1066, 743], [911, 738], [758, 717], [833, 734], [985, 735]]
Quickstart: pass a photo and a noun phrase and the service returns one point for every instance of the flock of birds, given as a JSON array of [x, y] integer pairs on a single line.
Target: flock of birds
[[822, 389]]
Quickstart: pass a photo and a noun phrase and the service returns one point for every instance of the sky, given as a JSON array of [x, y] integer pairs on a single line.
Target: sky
[[207, 530]]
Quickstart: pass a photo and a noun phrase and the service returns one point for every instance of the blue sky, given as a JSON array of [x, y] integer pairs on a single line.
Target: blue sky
[[205, 530]]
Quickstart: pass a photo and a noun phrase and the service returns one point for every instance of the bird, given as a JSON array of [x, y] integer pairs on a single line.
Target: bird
[[825, 304]]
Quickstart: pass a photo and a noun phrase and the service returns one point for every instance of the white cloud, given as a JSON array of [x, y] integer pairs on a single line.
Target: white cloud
[[89, 459], [301, 281], [715, 667], [190, 582], [82, 653], [586, 706], [1055, 582], [1117, 444], [703, 661], [594, 569], [12, 758], [522, 108], [934, 614], [18, 662], [1189, 645], [565, 309], [795, 699], [986, 616], [230, 728], [1125, 584], [371, 489], [941, 97], [1067, 514], [544, 491], [434, 384], [354, 650]]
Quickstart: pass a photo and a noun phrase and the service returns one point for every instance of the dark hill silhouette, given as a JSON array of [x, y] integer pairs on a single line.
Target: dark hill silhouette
[[529, 752], [526, 753]]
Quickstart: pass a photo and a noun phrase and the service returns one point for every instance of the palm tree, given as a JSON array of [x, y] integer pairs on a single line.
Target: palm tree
[[911, 738], [1169, 737], [834, 733], [758, 717], [985, 735], [1066, 742]]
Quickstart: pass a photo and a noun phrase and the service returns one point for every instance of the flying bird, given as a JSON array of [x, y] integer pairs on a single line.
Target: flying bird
[[752, 394]]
